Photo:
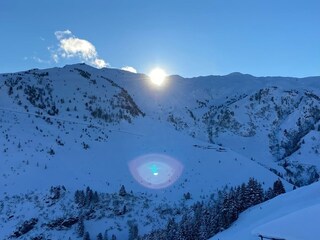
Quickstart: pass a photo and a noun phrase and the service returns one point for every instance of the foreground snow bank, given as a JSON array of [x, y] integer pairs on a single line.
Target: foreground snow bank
[[298, 225], [290, 216]]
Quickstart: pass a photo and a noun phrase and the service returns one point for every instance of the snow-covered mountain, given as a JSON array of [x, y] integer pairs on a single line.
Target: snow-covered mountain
[[76, 127]]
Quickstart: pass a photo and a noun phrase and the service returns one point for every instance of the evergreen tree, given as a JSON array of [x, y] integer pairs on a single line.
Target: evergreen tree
[[172, 229], [76, 196], [211, 219], [133, 232], [258, 192], [122, 191], [99, 236], [269, 194], [205, 227], [105, 236], [242, 199], [278, 187], [79, 198], [203, 232], [80, 228], [250, 195], [95, 197], [86, 236], [10, 91], [197, 219], [187, 196], [89, 196], [113, 237], [231, 206], [185, 230], [221, 210], [254, 192], [124, 209]]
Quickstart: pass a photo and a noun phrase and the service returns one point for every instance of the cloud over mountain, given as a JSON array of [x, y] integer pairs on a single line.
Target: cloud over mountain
[[129, 69], [72, 47]]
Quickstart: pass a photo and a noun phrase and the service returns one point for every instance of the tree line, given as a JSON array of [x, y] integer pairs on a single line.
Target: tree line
[[205, 219]]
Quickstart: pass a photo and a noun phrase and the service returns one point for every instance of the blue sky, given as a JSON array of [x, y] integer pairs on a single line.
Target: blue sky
[[189, 38]]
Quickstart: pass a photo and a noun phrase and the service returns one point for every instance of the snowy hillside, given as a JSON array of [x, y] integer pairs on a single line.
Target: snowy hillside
[[76, 127], [280, 116], [293, 216]]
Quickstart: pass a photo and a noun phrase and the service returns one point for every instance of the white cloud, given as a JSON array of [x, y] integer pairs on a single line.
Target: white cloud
[[100, 63], [63, 34], [78, 47], [129, 69], [72, 47], [39, 60], [54, 54], [55, 57]]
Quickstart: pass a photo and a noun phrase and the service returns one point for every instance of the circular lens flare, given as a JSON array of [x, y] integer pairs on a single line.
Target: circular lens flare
[[155, 170]]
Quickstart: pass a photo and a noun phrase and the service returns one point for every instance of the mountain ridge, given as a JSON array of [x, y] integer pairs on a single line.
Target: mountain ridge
[[87, 125]]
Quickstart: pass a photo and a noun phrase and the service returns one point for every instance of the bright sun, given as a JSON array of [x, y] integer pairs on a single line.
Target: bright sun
[[157, 76]]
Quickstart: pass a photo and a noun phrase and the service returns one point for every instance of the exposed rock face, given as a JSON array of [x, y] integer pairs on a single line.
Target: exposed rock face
[[25, 227]]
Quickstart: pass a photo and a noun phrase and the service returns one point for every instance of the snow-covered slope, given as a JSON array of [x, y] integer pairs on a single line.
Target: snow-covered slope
[[293, 215], [79, 126], [278, 115]]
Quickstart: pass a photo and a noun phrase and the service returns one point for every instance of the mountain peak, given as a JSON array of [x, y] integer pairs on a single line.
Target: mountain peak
[[239, 74]]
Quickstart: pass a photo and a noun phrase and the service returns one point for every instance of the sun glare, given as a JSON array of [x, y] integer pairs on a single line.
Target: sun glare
[[157, 76]]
